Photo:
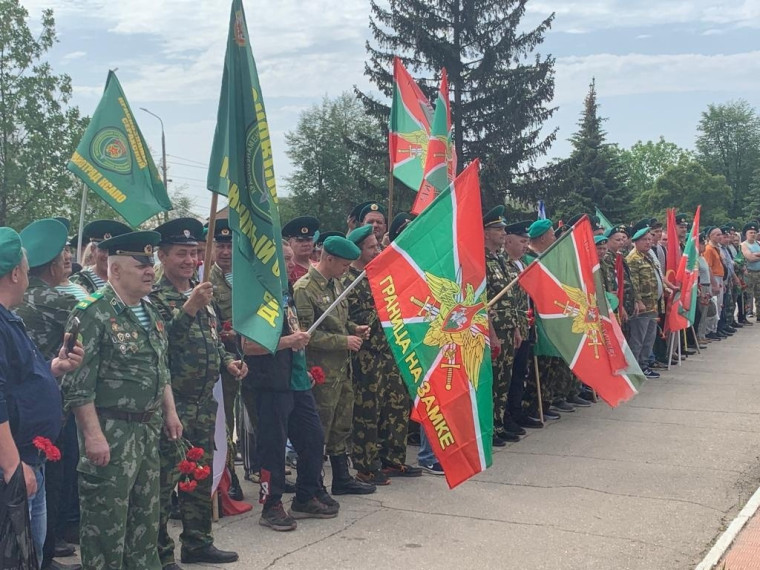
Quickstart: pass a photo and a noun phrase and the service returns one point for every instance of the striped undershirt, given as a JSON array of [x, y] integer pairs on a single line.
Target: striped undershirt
[[99, 283], [228, 277], [142, 315], [72, 289]]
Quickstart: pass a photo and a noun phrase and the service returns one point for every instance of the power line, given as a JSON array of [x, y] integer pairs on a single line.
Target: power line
[[187, 165], [190, 179], [188, 159]]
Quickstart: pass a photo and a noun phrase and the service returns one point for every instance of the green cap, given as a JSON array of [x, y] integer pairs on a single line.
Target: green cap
[[43, 241], [138, 245], [539, 228], [494, 218], [518, 228], [10, 250], [341, 247], [369, 208], [222, 231], [360, 234], [749, 226], [180, 231], [301, 227], [65, 222], [98, 230], [357, 210], [601, 239], [400, 221], [682, 219], [641, 233], [618, 229]]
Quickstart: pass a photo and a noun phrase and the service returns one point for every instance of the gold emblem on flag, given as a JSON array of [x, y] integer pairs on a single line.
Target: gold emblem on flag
[[583, 309]]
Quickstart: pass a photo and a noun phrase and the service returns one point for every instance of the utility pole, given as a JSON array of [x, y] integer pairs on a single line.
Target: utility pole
[[163, 153]]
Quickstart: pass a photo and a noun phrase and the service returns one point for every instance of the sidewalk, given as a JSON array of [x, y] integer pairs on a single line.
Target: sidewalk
[[744, 553]]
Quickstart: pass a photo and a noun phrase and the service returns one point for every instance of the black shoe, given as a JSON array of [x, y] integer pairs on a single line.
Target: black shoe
[[402, 471], [325, 498], [290, 487], [577, 401], [496, 441], [343, 483], [730, 331], [275, 517], [508, 437], [235, 492], [63, 549], [413, 438], [688, 352], [511, 426], [172, 566], [210, 554], [55, 565], [562, 406], [528, 422], [376, 478], [737, 325], [312, 509]]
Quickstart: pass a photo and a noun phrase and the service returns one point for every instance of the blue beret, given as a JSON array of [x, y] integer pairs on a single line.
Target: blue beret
[[43, 240], [10, 250], [539, 228], [341, 247]]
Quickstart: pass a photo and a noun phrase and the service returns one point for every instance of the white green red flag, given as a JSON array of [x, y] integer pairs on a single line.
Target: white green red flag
[[441, 160], [409, 128], [566, 287], [429, 288], [682, 309]]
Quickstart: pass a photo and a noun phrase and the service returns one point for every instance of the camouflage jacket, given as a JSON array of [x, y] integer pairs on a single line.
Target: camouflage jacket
[[85, 279], [196, 353], [125, 366], [644, 278], [361, 309], [505, 313], [222, 293], [328, 347], [45, 311], [519, 298], [629, 288]]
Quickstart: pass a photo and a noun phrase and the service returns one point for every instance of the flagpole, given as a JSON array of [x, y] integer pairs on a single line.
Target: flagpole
[[210, 237], [390, 196], [503, 292], [81, 222], [335, 303], [538, 390], [696, 340]]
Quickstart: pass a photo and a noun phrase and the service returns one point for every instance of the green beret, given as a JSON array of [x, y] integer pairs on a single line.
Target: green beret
[[301, 227], [400, 221], [360, 234], [641, 233], [539, 228], [494, 218], [612, 300], [618, 229], [341, 247], [601, 239], [181, 231], [222, 231], [138, 245], [369, 208], [749, 226], [320, 237], [10, 250], [43, 241], [98, 230]]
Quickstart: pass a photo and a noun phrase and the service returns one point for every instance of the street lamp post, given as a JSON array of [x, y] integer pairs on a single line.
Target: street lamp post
[[163, 147]]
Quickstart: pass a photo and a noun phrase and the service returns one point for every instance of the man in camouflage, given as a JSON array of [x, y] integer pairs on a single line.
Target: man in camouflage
[[117, 397], [220, 277], [196, 356], [329, 348], [381, 400], [94, 277]]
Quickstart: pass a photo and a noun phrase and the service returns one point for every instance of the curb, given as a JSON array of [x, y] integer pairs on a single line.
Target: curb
[[727, 538]]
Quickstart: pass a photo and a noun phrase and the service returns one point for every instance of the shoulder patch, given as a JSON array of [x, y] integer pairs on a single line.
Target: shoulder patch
[[89, 300]]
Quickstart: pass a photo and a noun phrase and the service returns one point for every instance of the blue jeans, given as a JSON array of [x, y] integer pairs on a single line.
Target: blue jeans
[[425, 454], [38, 512]]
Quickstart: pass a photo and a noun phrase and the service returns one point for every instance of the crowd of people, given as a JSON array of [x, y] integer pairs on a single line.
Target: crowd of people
[[114, 360]]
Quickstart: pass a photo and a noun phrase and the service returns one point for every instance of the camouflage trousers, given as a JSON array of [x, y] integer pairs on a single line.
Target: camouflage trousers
[[119, 502], [502, 378], [335, 405], [381, 412], [752, 279], [198, 422], [230, 389], [554, 376]]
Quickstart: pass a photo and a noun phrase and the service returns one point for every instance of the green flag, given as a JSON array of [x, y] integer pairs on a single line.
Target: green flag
[[113, 160], [605, 223], [241, 168]]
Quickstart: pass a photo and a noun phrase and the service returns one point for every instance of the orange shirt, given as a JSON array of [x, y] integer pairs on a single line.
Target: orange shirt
[[712, 256]]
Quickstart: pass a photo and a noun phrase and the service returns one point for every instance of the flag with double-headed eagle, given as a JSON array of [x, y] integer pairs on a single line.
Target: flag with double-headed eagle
[[429, 288], [566, 287], [441, 160], [409, 128]]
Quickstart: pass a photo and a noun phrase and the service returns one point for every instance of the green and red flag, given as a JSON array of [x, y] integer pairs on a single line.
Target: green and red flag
[[241, 168], [114, 161], [441, 160], [673, 252], [682, 308], [429, 288], [566, 287], [409, 128]]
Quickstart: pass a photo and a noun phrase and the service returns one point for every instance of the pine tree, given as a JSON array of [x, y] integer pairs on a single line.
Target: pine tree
[[500, 89], [593, 175]]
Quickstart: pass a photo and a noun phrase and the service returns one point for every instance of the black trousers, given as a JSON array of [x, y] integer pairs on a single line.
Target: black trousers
[[282, 416], [519, 373]]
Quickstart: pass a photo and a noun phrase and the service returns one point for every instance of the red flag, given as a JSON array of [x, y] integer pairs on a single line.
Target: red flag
[[679, 308], [674, 250]]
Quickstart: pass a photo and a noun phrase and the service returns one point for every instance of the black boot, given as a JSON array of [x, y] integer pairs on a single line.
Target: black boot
[[235, 492], [343, 483]]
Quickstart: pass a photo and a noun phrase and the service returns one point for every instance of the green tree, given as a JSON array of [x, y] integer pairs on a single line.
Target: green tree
[[329, 175], [686, 185], [728, 143], [501, 88], [38, 129], [593, 175]]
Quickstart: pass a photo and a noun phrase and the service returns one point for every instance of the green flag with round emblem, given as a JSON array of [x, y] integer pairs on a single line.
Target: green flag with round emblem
[[114, 161]]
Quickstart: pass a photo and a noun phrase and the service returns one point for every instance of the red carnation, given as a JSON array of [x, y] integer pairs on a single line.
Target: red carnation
[[317, 374], [195, 453], [201, 473], [188, 486], [495, 352], [186, 467], [227, 326], [44, 445], [531, 317]]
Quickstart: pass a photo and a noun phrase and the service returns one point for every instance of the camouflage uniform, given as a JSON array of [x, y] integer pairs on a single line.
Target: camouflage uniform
[[125, 370], [629, 291], [643, 327], [196, 355], [381, 399], [86, 278], [45, 311], [328, 349], [504, 319]]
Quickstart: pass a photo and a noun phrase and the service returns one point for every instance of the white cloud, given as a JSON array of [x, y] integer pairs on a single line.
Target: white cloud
[[71, 56], [638, 73]]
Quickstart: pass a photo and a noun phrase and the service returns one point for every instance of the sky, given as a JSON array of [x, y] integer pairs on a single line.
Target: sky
[[657, 65]]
